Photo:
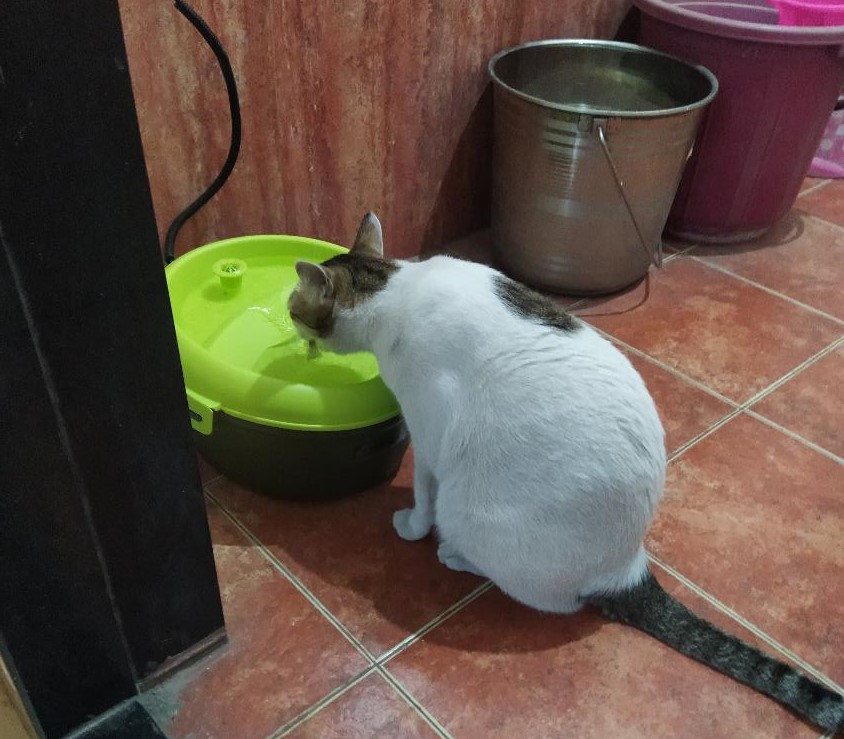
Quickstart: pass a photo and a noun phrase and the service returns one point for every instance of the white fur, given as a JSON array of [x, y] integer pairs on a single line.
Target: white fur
[[539, 453]]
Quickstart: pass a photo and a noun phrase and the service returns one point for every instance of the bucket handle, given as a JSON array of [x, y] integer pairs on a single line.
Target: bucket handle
[[654, 255]]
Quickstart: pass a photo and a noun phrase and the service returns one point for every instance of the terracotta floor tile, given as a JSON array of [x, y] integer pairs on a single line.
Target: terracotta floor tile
[[812, 403], [499, 669], [379, 586], [715, 615], [207, 473], [281, 657], [826, 202], [755, 518], [750, 514], [370, 710], [685, 410], [733, 337], [811, 182], [801, 257]]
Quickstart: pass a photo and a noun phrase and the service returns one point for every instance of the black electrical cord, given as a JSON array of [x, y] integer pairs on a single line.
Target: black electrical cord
[[234, 147]]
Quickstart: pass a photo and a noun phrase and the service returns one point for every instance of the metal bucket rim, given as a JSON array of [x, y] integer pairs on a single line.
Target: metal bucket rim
[[605, 113]]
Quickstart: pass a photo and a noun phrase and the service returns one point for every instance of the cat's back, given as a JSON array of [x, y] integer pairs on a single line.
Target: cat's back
[[443, 284], [499, 362], [463, 306], [500, 338]]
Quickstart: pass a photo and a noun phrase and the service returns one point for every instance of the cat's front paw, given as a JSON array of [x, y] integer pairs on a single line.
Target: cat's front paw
[[408, 526]]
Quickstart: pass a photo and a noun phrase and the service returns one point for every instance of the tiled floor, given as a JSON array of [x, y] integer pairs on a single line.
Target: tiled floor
[[337, 628]]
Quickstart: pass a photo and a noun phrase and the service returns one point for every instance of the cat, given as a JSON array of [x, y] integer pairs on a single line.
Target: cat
[[539, 453]]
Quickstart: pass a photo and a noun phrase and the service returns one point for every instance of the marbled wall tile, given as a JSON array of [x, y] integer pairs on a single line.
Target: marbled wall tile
[[346, 106]]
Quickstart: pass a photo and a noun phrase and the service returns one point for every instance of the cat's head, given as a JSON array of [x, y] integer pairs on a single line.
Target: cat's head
[[336, 287]]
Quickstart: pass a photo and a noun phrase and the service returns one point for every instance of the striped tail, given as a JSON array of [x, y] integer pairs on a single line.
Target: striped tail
[[649, 608]]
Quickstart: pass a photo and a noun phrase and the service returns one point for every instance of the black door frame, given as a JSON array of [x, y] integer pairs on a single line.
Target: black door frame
[[107, 576]]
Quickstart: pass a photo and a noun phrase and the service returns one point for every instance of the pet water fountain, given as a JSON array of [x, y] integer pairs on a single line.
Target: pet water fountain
[[266, 411]]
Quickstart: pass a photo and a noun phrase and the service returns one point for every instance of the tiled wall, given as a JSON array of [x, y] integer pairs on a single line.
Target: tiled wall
[[347, 105]]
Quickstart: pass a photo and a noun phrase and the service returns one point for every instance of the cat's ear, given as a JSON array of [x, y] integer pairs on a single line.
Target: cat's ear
[[317, 277], [369, 240]]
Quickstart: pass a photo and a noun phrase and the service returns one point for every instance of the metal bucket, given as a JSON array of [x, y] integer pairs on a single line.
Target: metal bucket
[[591, 138]]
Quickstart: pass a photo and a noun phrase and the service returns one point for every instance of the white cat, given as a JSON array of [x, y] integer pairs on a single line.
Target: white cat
[[539, 453]]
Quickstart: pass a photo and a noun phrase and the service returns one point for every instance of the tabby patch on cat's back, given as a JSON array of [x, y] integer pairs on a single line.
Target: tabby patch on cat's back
[[530, 304]]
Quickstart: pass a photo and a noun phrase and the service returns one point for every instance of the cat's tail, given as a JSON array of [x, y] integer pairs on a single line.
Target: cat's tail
[[649, 608]]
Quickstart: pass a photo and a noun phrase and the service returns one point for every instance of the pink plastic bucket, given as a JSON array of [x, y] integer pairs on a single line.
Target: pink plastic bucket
[[778, 87], [813, 13], [829, 159]]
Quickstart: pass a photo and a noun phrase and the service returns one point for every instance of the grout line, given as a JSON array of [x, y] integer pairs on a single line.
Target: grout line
[[744, 408], [797, 437], [433, 623], [794, 372], [813, 188], [208, 483], [376, 663], [683, 448], [413, 703], [735, 407], [769, 640], [739, 407], [723, 270], [668, 368], [285, 571], [805, 214], [584, 302], [324, 702], [679, 252]]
